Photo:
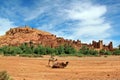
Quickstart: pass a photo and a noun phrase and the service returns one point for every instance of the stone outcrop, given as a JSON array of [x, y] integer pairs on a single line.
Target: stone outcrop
[[19, 35]]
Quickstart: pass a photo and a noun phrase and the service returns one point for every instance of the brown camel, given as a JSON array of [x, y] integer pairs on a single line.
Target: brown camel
[[60, 65], [51, 59]]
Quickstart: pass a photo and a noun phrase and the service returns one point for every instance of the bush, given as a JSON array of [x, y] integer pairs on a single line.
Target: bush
[[116, 52], [84, 50], [80, 55], [14, 50], [93, 52], [69, 50], [60, 50], [5, 49], [108, 53], [102, 52], [26, 55], [63, 50], [4, 76], [50, 50], [23, 46], [28, 50], [40, 50], [30, 55], [63, 55], [1, 51]]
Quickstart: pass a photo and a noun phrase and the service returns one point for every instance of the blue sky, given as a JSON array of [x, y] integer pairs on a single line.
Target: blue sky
[[85, 20]]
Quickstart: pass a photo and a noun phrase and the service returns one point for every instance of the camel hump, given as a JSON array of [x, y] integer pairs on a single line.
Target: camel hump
[[60, 64]]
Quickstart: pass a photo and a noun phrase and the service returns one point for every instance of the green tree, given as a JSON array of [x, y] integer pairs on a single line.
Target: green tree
[[116, 52], [60, 50], [5, 49], [84, 50], [13, 50], [50, 50], [108, 53], [40, 50], [102, 52], [23, 46], [69, 50], [26, 49], [1, 50], [93, 52]]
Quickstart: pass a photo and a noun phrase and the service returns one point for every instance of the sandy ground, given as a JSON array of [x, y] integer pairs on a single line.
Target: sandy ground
[[79, 68]]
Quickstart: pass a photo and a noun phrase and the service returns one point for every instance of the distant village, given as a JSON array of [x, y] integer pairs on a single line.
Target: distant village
[[19, 35]]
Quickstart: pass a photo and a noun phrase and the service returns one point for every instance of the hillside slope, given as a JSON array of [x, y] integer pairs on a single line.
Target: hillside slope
[[19, 35]]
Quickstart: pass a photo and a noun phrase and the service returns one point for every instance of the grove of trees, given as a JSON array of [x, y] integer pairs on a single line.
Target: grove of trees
[[62, 50]]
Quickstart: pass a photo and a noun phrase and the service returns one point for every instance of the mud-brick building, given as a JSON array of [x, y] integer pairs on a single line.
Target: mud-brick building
[[19, 35]]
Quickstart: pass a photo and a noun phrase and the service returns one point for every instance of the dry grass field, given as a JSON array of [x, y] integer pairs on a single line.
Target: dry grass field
[[79, 68]]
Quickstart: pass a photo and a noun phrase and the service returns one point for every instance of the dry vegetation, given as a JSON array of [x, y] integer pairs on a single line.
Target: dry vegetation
[[79, 68]]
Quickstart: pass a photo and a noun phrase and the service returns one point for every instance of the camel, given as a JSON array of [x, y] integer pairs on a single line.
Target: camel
[[60, 65], [51, 59]]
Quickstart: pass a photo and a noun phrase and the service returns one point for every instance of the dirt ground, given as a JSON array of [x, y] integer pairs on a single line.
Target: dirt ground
[[79, 68]]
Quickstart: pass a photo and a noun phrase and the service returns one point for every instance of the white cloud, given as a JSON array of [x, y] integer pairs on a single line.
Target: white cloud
[[96, 31], [5, 25], [33, 14], [81, 12], [91, 21]]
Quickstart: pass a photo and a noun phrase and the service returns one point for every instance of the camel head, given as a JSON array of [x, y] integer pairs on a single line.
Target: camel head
[[66, 64]]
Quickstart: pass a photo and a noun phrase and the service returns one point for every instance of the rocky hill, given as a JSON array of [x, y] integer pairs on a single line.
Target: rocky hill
[[19, 35]]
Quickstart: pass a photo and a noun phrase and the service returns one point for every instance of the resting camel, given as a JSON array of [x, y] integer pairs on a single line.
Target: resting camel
[[51, 59], [60, 65]]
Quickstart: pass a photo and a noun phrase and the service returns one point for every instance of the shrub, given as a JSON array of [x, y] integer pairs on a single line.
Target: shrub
[[14, 50], [40, 50], [93, 52], [23, 46], [84, 50], [69, 50], [116, 52], [5, 49], [50, 50], [108, 53], [102, 52], [1, 51], [60, 50], [30, 55], [4, 76], [10, 50], [80, 55], [28, 50], [26, 55]]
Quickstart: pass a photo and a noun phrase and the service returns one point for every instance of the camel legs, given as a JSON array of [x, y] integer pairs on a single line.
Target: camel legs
[[50, 62]]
